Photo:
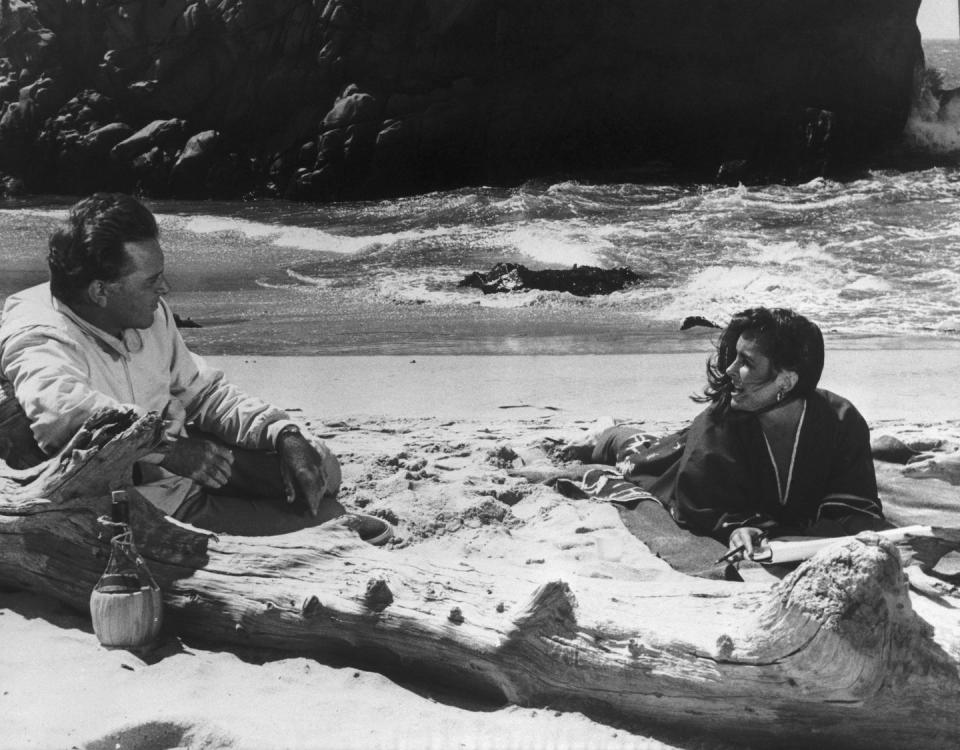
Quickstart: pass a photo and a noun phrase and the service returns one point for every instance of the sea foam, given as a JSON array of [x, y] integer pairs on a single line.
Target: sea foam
[[304, 238], [559, 244]]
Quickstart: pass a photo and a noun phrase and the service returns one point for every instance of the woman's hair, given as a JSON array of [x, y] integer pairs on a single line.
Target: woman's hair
[[787, 339], [90, 245]]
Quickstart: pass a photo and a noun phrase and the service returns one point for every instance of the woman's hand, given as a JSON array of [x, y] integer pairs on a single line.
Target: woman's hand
[[750, 538]]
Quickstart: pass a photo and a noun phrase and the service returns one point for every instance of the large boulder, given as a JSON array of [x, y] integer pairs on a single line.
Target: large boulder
[[335, 99]]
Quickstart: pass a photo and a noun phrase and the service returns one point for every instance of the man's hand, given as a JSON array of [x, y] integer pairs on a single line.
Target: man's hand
[[308, 472], [201, 459], [174, 417], [750, 538]]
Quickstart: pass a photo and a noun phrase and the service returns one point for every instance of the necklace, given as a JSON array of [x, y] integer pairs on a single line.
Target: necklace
[[784, 491]]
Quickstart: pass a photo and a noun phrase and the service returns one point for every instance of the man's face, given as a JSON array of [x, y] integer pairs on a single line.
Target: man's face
[[132, 300]]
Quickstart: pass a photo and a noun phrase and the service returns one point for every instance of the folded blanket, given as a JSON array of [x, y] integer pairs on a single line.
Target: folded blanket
[[909, 501], [652, 524]]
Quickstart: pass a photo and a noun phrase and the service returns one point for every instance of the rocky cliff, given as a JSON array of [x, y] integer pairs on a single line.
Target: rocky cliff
[[338, 99]]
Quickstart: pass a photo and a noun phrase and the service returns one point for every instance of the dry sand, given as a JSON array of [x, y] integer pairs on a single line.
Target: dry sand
[[445, 479]]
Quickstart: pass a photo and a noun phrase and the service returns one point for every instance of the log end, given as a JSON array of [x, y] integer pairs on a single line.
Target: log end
[[843, 626], [99, 457], [855, 588]]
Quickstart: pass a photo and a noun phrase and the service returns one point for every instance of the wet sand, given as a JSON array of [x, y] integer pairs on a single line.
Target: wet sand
[[885, 379]]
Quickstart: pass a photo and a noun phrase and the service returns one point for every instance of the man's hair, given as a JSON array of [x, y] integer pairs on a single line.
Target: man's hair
[[789, 340], [90, 245]]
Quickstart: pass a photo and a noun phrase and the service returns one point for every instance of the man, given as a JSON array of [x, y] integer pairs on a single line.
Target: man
[[101, 335]]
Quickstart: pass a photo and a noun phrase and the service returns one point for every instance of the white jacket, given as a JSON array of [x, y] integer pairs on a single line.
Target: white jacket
[[63, 369]]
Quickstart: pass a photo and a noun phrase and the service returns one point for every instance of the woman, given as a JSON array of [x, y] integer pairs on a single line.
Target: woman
[[771, 455]]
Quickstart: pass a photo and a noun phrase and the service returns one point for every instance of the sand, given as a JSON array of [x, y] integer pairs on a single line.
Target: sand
[[433, 445]]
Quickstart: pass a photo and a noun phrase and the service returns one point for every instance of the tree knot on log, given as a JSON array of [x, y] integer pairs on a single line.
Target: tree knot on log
[[724, 646], [378, 595], [550, 611]]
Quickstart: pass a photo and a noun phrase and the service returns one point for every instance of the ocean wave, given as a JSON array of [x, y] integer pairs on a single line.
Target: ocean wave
[[934, 136], [879, 254], [718, 291], [865, 287], [314, 281], [299, 237], [267, 284], [818, 193], [789, 253], [933, 126], [559, 243], [58, 214]]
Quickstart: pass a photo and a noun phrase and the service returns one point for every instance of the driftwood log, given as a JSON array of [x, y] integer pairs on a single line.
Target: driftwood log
[[838, 653]]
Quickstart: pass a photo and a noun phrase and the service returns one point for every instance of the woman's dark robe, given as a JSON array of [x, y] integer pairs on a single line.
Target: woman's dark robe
[[718, 475], [726, 478]]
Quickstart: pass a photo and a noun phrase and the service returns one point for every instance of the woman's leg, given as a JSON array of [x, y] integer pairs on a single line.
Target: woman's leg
[[614, 443]]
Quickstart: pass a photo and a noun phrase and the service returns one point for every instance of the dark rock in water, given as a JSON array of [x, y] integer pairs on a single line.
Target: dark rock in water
[[890, 449], [185, 322], [693, 321], [346, 99], [582, 281]]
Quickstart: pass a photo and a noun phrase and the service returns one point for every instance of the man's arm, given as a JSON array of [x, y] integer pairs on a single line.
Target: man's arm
[[214, 405], [50, 379]]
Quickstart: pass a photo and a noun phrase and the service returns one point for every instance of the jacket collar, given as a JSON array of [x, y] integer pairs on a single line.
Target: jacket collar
[[130, 341]]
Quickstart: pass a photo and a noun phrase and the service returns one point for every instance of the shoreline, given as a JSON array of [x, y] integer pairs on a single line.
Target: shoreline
[[910, 384]]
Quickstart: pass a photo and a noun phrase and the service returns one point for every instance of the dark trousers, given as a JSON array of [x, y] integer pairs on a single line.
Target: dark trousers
[[252, 502]]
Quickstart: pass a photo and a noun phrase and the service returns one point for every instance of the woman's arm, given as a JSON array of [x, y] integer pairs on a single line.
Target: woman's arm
[[850, 497], [712, 489]]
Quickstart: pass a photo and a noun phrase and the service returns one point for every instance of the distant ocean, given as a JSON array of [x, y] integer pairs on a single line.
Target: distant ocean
[[879, 256]]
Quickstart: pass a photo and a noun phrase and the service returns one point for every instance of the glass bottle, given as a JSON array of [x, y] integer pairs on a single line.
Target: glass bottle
[[126, 605], [120, 575]]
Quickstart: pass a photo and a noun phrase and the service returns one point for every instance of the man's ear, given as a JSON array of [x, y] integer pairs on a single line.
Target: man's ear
[[97, 292]]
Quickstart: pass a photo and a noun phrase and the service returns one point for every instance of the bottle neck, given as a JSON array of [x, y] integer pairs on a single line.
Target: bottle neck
[[119, 513]]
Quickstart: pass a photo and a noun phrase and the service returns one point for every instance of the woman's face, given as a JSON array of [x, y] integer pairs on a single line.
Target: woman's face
[[755, 382]]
